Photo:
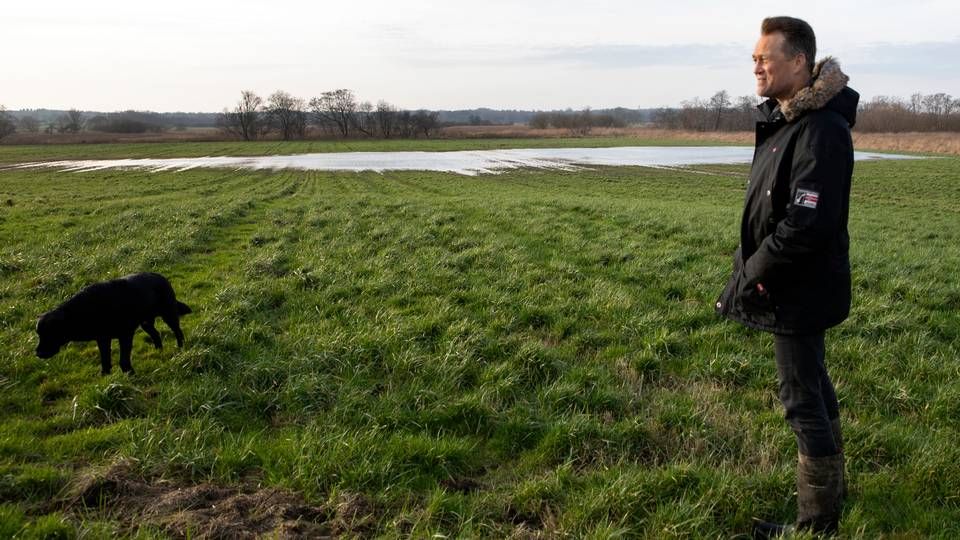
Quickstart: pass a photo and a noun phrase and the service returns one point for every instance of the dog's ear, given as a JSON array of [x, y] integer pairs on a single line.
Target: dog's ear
[[51, 317]]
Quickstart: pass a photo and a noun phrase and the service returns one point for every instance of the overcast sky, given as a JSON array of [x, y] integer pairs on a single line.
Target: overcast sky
[[198, 55]]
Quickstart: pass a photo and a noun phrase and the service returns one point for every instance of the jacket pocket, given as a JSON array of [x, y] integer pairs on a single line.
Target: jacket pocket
[[751, 299]]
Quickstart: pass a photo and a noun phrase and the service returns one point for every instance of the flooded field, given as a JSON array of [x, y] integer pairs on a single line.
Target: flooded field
[[471, 162]]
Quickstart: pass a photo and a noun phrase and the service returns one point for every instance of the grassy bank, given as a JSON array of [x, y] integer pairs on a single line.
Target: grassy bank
[[529, 353]]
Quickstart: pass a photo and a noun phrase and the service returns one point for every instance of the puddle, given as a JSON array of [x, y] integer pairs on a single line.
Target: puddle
[[471, 162]]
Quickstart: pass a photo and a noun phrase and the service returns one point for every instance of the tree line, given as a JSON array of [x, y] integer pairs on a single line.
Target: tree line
[[75, 121], [71, 121], [921, 112], [576, 122], [337, 113], [719, 113], [8, 124]]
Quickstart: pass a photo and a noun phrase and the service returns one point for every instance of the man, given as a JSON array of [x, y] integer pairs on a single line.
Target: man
[[791, 273]]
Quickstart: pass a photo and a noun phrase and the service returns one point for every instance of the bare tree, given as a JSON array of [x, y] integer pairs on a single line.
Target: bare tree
[[936, 104], [916, 103], [386, 119], [29, 124], [719, 102], [336, 108], [70, 122], [540, 120], [7, 124], [742, 116], [577, 123], [246, 120], [583, 122], [426, 122], [289, 115], [939, 106], [890, 113], [364, 119], [667, 118], [405, 125], [696, 114]]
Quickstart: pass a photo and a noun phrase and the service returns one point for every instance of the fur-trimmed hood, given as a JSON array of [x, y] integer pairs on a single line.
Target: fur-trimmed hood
[[828, 87]]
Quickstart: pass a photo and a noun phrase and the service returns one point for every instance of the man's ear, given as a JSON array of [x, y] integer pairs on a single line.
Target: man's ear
[[800, 62]]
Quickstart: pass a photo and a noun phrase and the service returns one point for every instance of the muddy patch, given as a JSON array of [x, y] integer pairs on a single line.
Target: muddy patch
[[213, 511]]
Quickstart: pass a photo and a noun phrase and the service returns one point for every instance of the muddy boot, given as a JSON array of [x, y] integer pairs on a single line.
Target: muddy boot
[[819, 498], [819, 492], [838, 438]]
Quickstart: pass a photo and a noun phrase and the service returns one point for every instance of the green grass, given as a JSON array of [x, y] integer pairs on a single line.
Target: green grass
[[479, 356], [49, 152]]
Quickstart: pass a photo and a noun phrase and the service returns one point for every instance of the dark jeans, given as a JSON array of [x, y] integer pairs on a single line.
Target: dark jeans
[[807, 394]]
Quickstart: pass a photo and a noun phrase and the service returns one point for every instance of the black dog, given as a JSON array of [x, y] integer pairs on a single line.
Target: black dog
[[112, 309]]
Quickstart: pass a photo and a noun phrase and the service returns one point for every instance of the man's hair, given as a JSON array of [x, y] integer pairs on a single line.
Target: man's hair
[[798, 37]]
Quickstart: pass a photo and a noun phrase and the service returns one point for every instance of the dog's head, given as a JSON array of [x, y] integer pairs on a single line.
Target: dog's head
[[52, 333]]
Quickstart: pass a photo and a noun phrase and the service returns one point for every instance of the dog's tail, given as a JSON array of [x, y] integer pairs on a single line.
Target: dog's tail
[[183, 309]]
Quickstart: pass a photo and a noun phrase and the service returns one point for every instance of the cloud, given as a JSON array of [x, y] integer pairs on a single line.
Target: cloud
[[640, 56], [603, 56], [929, 59], [925, 59]]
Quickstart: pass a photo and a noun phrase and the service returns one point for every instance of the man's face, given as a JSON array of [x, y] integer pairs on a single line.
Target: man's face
[[778, 75]]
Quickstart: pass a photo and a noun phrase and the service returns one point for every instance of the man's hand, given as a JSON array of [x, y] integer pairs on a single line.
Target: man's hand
[[761, 289]]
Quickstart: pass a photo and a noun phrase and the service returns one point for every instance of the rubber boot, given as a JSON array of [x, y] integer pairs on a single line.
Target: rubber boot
[[819, 498], [819, 493], [838, 438]]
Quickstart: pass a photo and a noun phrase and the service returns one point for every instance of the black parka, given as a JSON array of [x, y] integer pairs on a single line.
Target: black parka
[[793, 234]]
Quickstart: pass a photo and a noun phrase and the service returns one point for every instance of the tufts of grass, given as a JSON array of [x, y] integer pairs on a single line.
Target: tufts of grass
[[30, 483], [527, 354], [12, 520], [108, 402]]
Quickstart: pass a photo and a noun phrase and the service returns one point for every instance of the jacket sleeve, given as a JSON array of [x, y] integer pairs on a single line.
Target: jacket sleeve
[[819, 187]]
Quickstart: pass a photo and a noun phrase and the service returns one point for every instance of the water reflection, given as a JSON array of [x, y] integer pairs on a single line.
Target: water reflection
[[470, 162]]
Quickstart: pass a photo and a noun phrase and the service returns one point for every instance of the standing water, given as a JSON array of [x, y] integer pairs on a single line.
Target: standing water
[[470, 162]]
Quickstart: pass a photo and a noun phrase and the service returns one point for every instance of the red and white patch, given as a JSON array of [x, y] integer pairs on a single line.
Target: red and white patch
[[806, 198]]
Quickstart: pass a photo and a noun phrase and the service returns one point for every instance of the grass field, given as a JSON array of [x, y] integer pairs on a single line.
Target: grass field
[[409, 354]]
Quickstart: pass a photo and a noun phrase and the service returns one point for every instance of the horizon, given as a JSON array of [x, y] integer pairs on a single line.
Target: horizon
[[182, 57]]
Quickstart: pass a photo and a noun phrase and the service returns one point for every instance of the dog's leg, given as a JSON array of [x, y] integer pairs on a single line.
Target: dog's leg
[[126, 346], [104, 345], [173, 321], [154, 335]]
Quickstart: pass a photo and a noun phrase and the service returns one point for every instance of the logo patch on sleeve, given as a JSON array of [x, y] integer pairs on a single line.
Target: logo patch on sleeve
[[806, 198]]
